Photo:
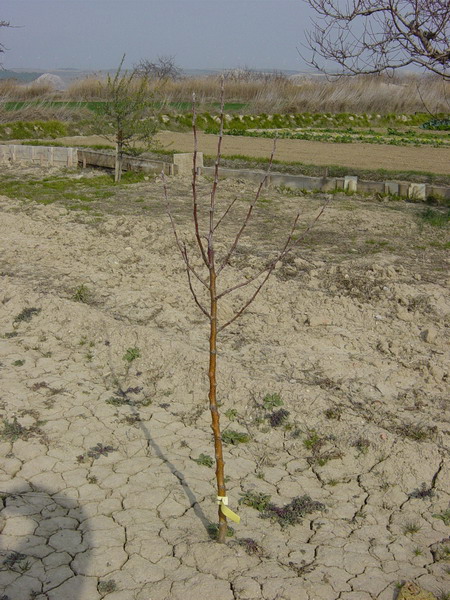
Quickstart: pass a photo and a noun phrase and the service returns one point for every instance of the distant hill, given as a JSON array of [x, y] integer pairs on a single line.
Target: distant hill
[[24, 76]]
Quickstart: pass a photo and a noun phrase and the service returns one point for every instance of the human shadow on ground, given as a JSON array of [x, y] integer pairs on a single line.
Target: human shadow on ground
[[42, 533]]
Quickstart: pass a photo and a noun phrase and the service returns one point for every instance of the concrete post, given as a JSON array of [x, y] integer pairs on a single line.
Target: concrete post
[[184, 162], [351, 183]]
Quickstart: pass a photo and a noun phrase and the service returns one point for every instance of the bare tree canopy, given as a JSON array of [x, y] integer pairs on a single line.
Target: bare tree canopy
[[375, 36], [3, 24], [163, 68]]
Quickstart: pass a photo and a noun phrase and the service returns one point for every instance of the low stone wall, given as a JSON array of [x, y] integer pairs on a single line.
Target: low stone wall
[[182, 165], [414, 191], [43, 156], [95, 158]]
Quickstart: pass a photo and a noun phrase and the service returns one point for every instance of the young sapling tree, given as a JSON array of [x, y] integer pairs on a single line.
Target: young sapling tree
[[126, 117], [208, 277]]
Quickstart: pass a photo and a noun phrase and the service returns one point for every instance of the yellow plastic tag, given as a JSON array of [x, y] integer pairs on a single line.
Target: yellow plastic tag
[[223, 501]]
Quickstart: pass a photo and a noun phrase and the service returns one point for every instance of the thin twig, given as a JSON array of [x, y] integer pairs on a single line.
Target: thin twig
[[249, 212], [177, 239], [194, 184], [230, 206], [191, 287], [216, 168], [288, 247], [239, 313]]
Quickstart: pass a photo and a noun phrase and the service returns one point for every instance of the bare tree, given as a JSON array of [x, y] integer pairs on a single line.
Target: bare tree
[[207, 277], [246, 75], [3, 24], [126, 118], [376, 36], [161, 69]]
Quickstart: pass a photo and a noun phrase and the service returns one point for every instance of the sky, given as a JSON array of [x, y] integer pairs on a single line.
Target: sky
[[200, 34]]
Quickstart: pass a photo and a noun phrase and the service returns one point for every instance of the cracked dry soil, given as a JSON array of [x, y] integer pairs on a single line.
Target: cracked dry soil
[[101, 494]]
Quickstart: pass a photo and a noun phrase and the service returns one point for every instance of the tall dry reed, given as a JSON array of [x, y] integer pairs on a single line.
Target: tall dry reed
[[11, 90], [273, 94]]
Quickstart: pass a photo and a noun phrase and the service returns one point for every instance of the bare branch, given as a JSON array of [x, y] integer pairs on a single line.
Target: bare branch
[[374, 36], [188, 271], [181, 247], [194, 184], [230, 206], [249, 212], [288, 247], [162, 69], [216, 170]]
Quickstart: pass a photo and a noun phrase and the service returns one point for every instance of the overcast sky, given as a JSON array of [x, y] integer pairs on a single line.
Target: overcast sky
[[202, 34]]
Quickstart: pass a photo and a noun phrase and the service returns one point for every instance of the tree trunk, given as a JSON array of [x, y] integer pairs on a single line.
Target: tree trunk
[[119, 157], [221, 490]]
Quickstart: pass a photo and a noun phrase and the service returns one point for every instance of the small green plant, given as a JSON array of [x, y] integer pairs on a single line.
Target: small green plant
[[292, 513], [106, 587], [334, 413], [205, 460], [18, 363], [271, 401], [333, 482], [10, 334], [441, 550], [444, 516], [13, 561], [95, 452], [235, 437], [436, 218], [362, 445], [256, 500], [131, 355], [12, 430], [119, 401], [418, 433], [313, 441], [411, 528], [213, 531], [250, 546], [417, 552], [92, 479], [26, 315], [423, 492], [82, 294], [278, 417], [231, 414]]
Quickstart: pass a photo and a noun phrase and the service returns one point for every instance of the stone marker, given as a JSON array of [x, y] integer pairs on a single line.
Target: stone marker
[[184, 163], [351, 183], [417, 191]]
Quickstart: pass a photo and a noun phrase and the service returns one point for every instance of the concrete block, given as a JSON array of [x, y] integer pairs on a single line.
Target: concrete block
[[439, 192], [417, 191], [184, 162], [371, 187], [392, 188], [328, 184], [296, 182], [351, 183]]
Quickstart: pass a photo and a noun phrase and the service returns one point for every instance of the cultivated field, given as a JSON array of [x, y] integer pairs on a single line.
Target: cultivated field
[[106, 479]]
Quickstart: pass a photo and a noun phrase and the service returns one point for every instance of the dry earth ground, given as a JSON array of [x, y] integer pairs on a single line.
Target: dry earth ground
[[101, 494]]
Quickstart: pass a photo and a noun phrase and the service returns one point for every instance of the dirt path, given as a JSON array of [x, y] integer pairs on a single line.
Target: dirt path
[[104, 417], [361, 156]]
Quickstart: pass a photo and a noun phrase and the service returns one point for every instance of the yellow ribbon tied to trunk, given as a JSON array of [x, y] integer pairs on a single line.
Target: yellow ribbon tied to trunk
[[223, 502]]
